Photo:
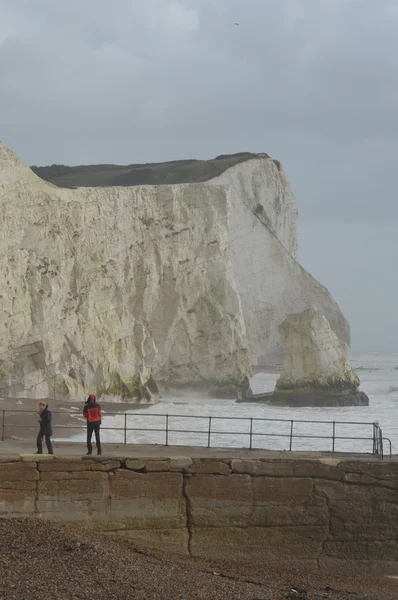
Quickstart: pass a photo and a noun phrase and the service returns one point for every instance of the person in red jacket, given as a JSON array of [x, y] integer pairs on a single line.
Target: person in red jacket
[[92, 413]]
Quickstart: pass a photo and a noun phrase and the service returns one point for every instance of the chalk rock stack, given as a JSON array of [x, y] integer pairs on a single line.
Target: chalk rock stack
[[316, 369]]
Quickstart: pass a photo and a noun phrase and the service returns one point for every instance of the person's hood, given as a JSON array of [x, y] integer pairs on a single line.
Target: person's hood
[[91, 399]]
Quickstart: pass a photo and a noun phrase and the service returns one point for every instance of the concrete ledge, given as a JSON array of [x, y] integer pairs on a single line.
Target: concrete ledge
[[37, 457]]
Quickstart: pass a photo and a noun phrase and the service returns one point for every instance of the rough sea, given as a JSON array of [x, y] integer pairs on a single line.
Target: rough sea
[[188, 417]]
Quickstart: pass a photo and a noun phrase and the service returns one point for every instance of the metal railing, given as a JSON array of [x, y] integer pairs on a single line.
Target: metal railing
[[379, 442], [211, 426]]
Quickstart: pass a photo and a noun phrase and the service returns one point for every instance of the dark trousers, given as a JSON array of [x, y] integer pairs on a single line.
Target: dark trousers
[[93, 427], [47, 437]]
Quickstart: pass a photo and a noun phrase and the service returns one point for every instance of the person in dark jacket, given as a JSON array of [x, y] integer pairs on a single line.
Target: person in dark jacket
[[92, 413], [45, 420]]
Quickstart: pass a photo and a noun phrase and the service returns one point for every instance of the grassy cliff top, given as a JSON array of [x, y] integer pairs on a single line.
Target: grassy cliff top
[[178, 171]]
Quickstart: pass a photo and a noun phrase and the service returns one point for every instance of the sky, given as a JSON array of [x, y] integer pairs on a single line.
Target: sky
[[314, 83]]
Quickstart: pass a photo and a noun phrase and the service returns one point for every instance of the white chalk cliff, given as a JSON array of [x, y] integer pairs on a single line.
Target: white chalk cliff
[[188, 282], [316, 368]]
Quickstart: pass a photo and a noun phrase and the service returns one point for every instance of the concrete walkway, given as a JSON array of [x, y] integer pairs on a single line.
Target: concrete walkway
[[16, 448]]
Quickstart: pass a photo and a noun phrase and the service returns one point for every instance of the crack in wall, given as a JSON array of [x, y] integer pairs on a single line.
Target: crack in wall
[[36, 508], [320, 494], [188, 508]]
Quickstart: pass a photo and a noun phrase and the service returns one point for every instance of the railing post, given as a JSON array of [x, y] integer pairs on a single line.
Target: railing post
[[209, 433], [291, 434], [3, 425], [125, 428], [167, 430], [381, 449], [376, 432], [334, 434], [251, 432]]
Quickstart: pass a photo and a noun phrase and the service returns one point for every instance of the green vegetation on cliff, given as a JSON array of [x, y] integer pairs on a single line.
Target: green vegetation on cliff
[[179, 171]]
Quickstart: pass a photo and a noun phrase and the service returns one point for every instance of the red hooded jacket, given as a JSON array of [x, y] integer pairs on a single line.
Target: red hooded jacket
[[92, 410]]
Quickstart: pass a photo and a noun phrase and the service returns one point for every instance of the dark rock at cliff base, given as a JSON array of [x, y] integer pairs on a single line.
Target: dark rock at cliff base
[[223, 392], [319, 399], [316, 399]]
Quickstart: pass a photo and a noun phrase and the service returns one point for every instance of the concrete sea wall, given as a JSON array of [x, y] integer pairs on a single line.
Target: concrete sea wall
[[317, 512]]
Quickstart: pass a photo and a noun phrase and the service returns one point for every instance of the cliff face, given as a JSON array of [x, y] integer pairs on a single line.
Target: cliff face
[[99, 286], [262, 233]]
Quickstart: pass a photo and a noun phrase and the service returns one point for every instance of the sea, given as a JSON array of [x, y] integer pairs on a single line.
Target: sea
[[188, 416]]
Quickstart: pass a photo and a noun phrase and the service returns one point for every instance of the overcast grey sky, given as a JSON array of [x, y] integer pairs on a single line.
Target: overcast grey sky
[[312, 82]]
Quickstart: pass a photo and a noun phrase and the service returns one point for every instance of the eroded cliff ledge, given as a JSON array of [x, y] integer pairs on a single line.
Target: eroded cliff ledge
[[188, 282]]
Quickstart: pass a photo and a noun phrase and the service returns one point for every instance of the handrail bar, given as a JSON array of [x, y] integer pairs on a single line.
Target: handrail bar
[[137, 414]]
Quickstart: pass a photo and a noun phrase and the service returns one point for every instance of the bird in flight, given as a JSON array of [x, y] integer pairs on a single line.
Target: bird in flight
[[236, 23]]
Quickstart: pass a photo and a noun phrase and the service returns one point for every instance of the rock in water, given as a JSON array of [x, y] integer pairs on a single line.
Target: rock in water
[[316, 370], [187, 282]]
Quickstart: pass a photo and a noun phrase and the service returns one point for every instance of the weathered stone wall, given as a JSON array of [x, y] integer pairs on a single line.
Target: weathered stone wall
[[320, 512]]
